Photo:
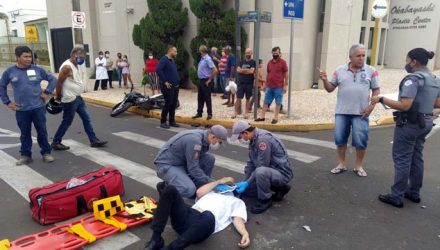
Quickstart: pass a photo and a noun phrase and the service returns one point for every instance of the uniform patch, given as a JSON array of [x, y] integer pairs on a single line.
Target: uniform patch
[[197, 147], [262, 146], [363, 75], [408, 83], [196, 155]]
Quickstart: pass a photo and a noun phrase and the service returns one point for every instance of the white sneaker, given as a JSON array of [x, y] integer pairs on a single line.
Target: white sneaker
[[48, 158], [23, 160]]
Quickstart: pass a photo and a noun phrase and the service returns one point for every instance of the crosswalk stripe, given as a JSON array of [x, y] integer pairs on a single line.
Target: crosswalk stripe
[[23, 178], [299, 156], [20, 178], [8, 133], [136, 171], [5, 146], [220, 161]]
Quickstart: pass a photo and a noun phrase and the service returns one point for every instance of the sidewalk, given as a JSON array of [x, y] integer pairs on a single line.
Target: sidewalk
[[311, 109]]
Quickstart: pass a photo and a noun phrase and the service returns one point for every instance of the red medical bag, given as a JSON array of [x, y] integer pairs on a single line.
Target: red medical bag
[[56, 202]]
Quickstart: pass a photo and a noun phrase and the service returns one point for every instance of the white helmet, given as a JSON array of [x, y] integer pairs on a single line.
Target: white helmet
[[232, 86]]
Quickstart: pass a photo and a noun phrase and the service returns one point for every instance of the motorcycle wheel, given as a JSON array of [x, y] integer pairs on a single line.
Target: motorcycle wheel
[[120, 108]]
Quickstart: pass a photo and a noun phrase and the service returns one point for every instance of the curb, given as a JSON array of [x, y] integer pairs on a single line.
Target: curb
[[229, 123]]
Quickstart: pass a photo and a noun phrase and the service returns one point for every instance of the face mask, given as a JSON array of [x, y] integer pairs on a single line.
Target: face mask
[[150, 57], [214, 146], [100, 56], [107, 55], [275, 57], [80, 60], [244, 142], [408, 68]]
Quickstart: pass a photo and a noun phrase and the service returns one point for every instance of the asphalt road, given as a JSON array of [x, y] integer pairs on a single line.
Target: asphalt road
[[342, 210]]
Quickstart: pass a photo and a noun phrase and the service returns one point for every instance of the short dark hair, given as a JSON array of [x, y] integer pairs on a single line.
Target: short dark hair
[[274, 49], [19, 50], [100, 52], [260, 61], [107, 52], [169, 47]]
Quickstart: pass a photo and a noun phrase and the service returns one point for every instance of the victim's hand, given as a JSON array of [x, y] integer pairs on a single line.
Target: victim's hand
[[245, 241]]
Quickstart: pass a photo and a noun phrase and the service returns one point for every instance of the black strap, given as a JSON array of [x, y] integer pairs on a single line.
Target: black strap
[[104, 193], [81, 204]]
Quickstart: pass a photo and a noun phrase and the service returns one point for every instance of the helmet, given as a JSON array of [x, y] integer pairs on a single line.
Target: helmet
[[53, 107], [232, 86]]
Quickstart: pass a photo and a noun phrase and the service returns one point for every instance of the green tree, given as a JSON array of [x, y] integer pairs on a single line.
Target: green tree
[[216, 28], [163, 25]]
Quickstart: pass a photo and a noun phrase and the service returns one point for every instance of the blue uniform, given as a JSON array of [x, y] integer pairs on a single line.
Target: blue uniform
[[27, 94], [184, 162], [268, 165], [409, 138]]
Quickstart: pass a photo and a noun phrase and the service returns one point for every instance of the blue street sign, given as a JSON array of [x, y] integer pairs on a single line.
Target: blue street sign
[[293, 9]]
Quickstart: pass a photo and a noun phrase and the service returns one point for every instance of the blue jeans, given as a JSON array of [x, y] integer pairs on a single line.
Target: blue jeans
[[216, 83], [223, 84], [24, 121], [119, 75], [357, 125], [69, 110]]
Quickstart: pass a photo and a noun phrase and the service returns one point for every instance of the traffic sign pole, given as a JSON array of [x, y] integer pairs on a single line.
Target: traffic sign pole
[[373, 57], [289, 95], [378, 11]]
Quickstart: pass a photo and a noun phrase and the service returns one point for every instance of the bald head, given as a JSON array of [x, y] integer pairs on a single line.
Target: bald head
[[248, 53]]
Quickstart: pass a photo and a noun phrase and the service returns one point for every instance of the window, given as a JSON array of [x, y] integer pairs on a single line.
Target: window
[[14, 33], [370, 42], [322, 16], [362, 36], [365, 10]]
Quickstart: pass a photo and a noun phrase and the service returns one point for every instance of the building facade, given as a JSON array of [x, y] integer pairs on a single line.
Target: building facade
[[322, 39]]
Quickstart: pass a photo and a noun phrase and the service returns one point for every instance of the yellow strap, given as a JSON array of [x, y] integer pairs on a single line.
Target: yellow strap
[[114, 222], [5, 245], [79, 230]]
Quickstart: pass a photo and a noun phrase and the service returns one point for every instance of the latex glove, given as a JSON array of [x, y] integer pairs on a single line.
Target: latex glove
[[222, 188], [241, 186]]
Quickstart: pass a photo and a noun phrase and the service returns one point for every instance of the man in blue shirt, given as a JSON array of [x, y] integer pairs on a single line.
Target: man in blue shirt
[[206, 71], [29, 102], [166, 69]]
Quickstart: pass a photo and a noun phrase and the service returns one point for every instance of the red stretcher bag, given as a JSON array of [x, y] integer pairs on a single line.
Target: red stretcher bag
[[56, 202]]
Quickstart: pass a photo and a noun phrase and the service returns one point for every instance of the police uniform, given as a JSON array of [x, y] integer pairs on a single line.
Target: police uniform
[[268, 165], [409, 136], [184, 162]]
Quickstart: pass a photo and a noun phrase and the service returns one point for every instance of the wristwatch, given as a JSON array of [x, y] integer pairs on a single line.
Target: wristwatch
[[381, 99]]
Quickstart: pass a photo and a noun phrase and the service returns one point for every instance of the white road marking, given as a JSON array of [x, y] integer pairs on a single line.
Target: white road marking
[[20, 178], [224, 162], [303, 157], [141, 173], [5, 146], [23, 178], [315, 142], [8, 133]]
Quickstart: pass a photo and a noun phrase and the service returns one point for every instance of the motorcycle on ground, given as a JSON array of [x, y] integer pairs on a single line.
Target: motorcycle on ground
[[136, 99]]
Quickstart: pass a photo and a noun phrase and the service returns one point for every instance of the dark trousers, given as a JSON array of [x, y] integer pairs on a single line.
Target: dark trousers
[[110, 78], [24, 120], [171, 96], [103, 84], [69, 110], [191, 225], [204, 96]]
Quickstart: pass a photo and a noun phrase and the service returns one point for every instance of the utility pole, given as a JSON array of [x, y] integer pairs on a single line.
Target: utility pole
[[237, 35], [77, 33]]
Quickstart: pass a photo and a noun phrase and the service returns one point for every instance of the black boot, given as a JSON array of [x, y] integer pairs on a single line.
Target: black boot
[[155, 244], [388, 199], [160, 186], [261, 206], [280, 192]]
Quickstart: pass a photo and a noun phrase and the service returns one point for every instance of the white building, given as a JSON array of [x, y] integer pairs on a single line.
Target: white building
[[19, 12]]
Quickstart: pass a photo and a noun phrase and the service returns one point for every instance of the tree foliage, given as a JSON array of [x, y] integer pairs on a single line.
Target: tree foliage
[[162, 26], [216, 28]]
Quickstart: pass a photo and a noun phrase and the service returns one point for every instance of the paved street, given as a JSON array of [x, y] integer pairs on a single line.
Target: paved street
[[341, 210]]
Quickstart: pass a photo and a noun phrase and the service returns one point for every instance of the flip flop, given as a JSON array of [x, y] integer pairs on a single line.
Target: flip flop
[[360, 172], [338, 170]]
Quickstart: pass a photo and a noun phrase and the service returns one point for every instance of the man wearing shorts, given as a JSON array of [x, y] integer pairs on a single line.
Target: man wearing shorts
[[276, 84], [354, 81], [246, 71]]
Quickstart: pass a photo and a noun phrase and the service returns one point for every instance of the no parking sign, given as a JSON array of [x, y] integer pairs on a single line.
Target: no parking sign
[[78, 20]]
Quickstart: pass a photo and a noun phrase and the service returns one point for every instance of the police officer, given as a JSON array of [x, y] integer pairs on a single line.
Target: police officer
[[419, 94], [268, 168], [184, 162]]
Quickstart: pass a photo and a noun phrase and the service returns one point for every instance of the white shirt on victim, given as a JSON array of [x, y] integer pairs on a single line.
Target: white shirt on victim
[[224, 207]]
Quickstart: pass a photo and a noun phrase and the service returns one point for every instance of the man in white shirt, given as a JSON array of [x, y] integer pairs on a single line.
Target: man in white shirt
[[101, 75], [211, 213]]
